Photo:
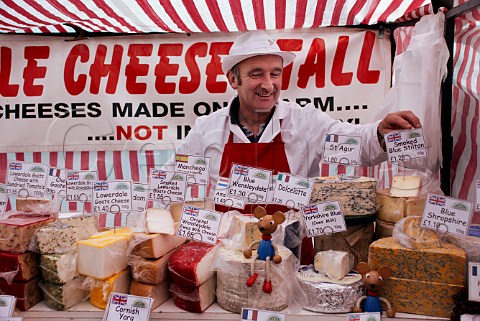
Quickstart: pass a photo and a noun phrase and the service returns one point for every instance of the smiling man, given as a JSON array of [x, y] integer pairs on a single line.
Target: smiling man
[[258, 129]]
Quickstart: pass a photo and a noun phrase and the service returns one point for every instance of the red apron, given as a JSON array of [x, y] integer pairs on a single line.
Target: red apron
[[267, 156]]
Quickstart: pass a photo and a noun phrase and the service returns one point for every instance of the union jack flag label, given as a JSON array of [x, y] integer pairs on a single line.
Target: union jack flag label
[[394, 137], [437, 200], [14, 166], [310, 210], [366, 316], [73, 176], [190, 210], [240, 170], [100, 186], [158, 174], [119, 299]]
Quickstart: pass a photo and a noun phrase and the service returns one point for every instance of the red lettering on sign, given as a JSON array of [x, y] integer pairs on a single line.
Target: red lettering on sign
[[32, 71], [75, 87], [314, 65], [214, 67], [6, 88], [190, 86], [292, 45], [364, 75], [135, 69], [164, 68], [141, 132], [100, 69], [340, 78]]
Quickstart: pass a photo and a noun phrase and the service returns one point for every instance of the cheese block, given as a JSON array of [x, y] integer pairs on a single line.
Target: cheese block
[[108, 255], [356, 194], [414, 206], [27, 293], [246, 226], [17, 231], [31, 204], [150, 271], [119, 283], [85, 224], [194, 299], [152, 246], [405, 186], [191, 263], [56, 238], [61, 297], [441, 265], [470, 244], [410, 233], [327, 297], [19, 266], [116, 231], [334, 264], [393, 208], [159, 220], [420, 297], [176, 209], [233, 271], [59, 268], [383, 229], [160, 293]]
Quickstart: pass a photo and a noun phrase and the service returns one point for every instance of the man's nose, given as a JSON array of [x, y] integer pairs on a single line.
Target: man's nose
[[267, 83]]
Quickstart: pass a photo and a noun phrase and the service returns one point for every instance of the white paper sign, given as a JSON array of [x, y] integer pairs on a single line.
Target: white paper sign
[[112, 196], [196, 167], [474, 281], [366, 316], [11, 319], [3, 198], [199, 224], [221, 196], [80, 185], [139, 197], [342, 149], [292, 191], [26, 180], [406, 145], [127, 307], [249, 183], [324, 218], [447, 214], [167, 187], [249, 314], [7, 305], [56, 184], [477, 205]]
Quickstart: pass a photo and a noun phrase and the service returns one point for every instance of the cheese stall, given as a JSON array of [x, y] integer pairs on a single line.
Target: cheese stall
[[101, 218]]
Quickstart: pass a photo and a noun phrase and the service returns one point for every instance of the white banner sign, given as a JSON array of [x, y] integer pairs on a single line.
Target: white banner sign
[[137, 92]]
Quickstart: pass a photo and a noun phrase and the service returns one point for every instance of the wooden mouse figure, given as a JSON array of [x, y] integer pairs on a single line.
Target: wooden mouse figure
[[267, 250], [373, 282]]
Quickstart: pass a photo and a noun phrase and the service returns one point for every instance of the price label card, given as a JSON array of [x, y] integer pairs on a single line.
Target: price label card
[[292, 191], [127, 307], [405, 145], [447, 214], [474, 281], [477, 202], [221, 196], [249, 314], [56, 184], [342, 149], [112, 196], [324, 218], [196, 167], [3, 198], [366, 316], [167, 187], [26, 180], [139, 197], [80, 185], [199, 224], [249, 183], [11, 319], [7, 305]]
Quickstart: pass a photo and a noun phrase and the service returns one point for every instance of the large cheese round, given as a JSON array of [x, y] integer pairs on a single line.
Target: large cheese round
[[234, 271]]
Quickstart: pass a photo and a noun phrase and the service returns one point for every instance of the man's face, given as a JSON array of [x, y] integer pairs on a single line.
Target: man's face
[[259, 84]]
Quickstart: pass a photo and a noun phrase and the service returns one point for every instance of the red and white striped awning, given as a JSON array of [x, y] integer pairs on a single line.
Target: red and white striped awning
[[147, 16]]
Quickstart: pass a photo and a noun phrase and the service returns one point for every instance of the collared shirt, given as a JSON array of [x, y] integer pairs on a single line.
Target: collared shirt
[[235, 120]]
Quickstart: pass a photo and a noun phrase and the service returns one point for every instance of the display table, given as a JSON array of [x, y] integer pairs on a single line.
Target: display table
[[168, 311]]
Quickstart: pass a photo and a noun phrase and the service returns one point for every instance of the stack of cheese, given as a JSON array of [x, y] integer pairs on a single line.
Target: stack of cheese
[[103, 259], [150, 253], [57, 244], [193, 279], [18, 265], [400, 201], [423, 280]]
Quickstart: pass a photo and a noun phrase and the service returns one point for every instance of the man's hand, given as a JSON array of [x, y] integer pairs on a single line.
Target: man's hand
[[397, 121]]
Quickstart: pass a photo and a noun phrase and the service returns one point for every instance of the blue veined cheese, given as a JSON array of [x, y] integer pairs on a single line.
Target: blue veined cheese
[[356, 195], [59, 268], [56, 238], [61, 297]]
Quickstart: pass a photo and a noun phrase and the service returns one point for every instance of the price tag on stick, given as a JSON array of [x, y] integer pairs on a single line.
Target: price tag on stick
[[127, 307], [7, 305], [324, 218], [342, 149], [405, 145]]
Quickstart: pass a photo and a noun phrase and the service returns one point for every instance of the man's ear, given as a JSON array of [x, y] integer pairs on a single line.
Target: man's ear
[[232, 79]]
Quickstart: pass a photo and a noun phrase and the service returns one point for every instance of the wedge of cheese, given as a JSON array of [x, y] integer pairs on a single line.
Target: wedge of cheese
[[86, 224], [394, 208], [246, 226], [150, 271], [334, 264], [152, 246], [27, 293], [19, 266], [59, 268], [57, 238], [101, 258], [30, 204], [117, 231], [17, 231], [61, 297], [405, 186], [159, 220], [119, 283], [158, 292], [194, 299]]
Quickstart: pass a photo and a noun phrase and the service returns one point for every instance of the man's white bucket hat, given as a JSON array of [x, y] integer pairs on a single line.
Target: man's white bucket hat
[[254, 43]]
